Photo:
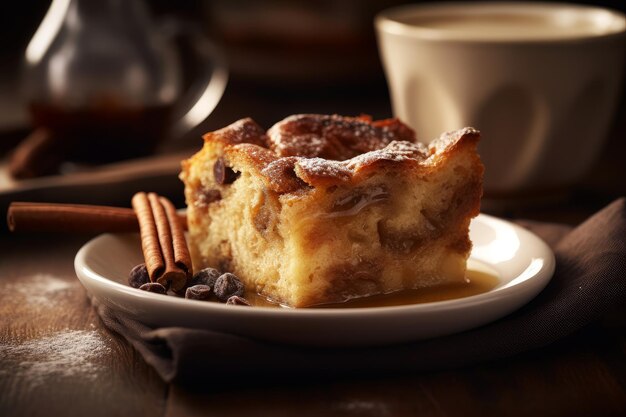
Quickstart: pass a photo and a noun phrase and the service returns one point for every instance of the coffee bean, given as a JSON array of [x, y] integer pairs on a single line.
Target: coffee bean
[[238, 301], [206, 276], [154, 287], [138, 276], [198, 292], [228, 285]]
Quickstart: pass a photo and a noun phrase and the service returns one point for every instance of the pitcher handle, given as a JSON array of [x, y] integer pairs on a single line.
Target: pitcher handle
[[202, 98]]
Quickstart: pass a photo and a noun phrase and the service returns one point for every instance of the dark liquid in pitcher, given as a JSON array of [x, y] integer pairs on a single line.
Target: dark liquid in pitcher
[[105, 133]]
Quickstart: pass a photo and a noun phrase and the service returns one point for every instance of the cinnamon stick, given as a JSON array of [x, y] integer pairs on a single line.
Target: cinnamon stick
[[72, 218], [181, 251], [157, 242], [38, 154], [161, 227], [173, 273], [149, 236]]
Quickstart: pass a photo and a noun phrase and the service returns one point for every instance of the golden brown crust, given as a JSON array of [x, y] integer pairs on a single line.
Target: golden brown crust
[[280, 175], [242, 131], [320, 150], [251, 155], [334, 137]]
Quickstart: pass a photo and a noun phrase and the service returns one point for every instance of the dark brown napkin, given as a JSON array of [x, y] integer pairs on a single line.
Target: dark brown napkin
[[590, 279]]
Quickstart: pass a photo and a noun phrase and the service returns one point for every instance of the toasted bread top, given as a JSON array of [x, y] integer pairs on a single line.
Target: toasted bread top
[[312, 150]]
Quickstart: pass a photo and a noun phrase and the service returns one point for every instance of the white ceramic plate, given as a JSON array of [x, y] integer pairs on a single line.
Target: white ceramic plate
[[522, 261]]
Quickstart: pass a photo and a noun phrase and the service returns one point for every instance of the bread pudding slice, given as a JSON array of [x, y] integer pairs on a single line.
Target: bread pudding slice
[[323, 209]]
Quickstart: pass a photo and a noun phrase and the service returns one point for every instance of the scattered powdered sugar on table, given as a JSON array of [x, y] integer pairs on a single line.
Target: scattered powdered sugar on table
[[40, 289], [64, 354]]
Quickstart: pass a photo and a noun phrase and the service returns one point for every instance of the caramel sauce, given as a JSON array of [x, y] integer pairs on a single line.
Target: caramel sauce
[[476, 282]]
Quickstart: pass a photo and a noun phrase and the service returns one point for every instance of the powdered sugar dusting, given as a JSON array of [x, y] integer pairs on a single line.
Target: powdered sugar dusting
[[280, 175], [371, 157], [324, 168], [304, 144], [242, 131], [63, 354], [41, 289], [334, 137], [448, 138], [396, 151], [412, 149], [311, 149]]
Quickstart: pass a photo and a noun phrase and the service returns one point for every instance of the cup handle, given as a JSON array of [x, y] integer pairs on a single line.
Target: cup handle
[[202, 98]]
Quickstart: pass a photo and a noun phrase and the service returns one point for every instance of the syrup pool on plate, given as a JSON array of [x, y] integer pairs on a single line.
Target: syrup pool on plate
[[477, 281]]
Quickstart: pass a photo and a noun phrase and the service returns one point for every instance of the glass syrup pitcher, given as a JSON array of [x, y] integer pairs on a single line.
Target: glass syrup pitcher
[[106, 81]]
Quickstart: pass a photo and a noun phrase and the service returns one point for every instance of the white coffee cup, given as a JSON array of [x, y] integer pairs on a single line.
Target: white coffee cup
[[540, 81]]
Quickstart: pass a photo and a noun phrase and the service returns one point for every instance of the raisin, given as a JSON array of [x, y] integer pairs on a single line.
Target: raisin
[[237, 301], [154, 287], [198, 292], [223, 174], [138, 276], [228, 285], [206, 276]]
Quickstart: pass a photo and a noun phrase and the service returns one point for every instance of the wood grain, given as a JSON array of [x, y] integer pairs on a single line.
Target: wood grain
[[85, 370]]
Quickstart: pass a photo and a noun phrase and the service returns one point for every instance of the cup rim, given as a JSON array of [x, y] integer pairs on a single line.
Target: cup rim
[[389, 21]]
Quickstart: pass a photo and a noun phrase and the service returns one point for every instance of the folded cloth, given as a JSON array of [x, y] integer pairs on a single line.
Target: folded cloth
[[590, 278]]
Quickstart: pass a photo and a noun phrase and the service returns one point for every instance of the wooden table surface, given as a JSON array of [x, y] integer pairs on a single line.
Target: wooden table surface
[[56, 358]]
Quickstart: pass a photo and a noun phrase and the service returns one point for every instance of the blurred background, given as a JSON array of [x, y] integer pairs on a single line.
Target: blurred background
[[283, 57]]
